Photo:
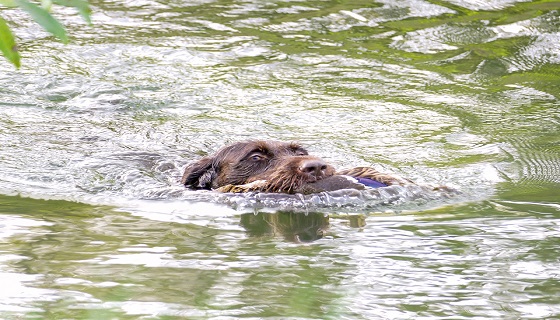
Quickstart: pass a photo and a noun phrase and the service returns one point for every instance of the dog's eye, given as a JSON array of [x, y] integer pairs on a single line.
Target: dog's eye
[[256, 157], [301, 153]]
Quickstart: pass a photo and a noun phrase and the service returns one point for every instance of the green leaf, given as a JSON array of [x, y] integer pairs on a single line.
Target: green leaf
[[8, 3], [44, 18], [81, 5], [8, 43], [46, 4]]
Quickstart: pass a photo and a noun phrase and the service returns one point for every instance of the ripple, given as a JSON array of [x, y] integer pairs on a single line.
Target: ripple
[[540, 165], [479, 5], [371, 200], [442, 38]]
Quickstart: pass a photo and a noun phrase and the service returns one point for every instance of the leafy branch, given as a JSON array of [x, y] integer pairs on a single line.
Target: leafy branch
[[41, 15]]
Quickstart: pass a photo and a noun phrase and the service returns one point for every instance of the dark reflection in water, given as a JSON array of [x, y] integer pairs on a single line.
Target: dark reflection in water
[[292, 226]]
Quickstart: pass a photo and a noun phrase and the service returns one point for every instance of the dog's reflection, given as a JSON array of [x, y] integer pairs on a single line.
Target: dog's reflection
[[292, 226]]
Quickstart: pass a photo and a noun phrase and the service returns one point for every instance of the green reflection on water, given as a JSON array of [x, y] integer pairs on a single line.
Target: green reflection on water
[[496, 99], [100, 261]]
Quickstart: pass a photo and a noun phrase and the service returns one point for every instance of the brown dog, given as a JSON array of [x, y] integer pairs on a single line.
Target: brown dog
[[273, 166]]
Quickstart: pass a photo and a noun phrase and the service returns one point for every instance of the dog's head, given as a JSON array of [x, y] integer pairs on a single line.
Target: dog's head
[[284, 166]]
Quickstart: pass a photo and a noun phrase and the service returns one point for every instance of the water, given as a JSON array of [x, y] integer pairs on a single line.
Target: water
[[94, 136]]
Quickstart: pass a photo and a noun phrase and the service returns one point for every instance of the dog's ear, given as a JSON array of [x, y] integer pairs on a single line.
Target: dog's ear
[[200, 174]]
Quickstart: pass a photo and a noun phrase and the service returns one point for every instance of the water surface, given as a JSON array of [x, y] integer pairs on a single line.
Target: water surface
[[95, 134]]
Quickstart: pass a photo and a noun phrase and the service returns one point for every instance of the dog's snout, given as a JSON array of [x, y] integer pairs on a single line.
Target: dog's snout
[[313, 167]]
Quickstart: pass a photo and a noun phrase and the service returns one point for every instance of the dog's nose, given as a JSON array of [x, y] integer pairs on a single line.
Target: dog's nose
[[313, 167]]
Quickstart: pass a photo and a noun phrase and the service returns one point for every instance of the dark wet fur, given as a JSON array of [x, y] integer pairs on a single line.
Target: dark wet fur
[[286, 168]]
